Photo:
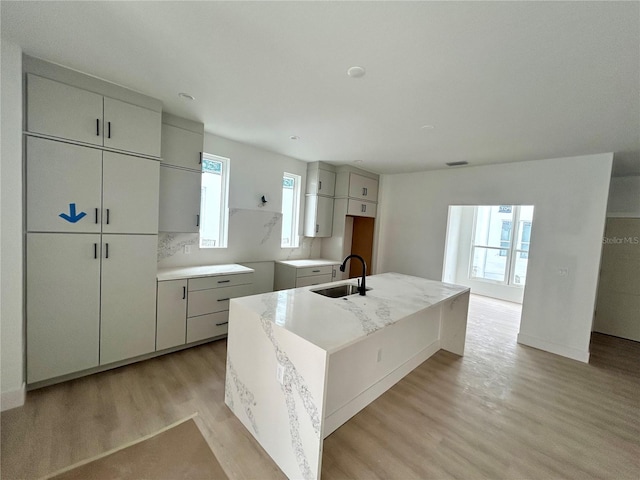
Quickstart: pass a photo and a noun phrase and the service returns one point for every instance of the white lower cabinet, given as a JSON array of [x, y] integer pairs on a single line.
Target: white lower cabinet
[[90, 301], [128, 307], [303, 273], [194, 309], [171, 325], [63, 307]]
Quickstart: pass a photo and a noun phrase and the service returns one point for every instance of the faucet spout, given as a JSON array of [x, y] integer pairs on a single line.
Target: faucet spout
[[362, 288]]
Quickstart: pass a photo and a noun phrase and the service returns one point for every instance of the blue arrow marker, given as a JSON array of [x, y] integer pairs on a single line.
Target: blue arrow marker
[[72, 217]]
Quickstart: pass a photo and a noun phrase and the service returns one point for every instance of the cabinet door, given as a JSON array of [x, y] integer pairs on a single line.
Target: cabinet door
[[357, 208], [363, 187], [326, 182], [130, 194], [181, 147], [179, 200], [63, 187], [131, 128], [171, 324], [318, 219], [128, 306], [63, 304], [63, 111]]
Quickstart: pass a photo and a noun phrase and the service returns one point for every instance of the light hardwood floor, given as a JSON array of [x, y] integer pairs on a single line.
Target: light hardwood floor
[[503, 411]]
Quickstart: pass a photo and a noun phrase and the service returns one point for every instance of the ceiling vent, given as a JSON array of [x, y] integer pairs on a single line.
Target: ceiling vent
[[456, 164]]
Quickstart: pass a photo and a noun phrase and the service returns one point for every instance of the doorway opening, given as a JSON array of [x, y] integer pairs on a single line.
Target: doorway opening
[[487, 249]]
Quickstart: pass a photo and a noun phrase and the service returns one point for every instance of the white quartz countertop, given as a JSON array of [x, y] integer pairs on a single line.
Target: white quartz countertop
[[165, 274], [334, 323], [318, 262]]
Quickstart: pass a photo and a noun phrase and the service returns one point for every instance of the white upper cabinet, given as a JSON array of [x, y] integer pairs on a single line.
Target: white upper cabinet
[[181, 147], [130, 194], [360, 208], [63, 111], [131, 128], [72, 113], [321, 182], [318, 216], [64, 187], [179, 200], [363, 187]]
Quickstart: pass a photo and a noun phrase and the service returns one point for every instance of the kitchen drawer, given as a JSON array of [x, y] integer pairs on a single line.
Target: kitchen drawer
[[217, 281], [214, 299], [308, 271], [207, 326], [314, 280], [360, 208]]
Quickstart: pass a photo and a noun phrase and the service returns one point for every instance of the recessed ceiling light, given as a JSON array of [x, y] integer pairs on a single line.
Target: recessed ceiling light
[[186, 96], [294, 137], [356, 72], [427, 127]]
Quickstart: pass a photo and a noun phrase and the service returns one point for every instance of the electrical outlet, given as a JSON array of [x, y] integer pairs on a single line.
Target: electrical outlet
[[187, 249], [563, 272], [379, 355], [280, 374]]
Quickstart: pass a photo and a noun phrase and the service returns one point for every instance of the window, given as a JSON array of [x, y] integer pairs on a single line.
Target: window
[[499, 253], [214, 199], [290, 210]]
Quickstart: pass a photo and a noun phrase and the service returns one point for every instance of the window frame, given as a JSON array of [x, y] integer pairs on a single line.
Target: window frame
[[224, 201], [294, 234]]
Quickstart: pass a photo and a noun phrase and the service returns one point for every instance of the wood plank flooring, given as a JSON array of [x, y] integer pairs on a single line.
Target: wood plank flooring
[[503, 411]]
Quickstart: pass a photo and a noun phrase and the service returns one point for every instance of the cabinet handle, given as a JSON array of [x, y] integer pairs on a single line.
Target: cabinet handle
[[315, 271], [319, 185], [223, 299], [197, 219], [106, 246], [317, 228], [96, 215], [363, 207], [184, 293], [95, 250], [107, 216], [364, 191], [200, 159], [108, 129], [97, 127], [220, 324], [224, 281]]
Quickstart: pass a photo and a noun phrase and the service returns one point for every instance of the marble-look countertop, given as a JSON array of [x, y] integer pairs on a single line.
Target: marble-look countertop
[[165, 274], [334, 323], [318, 262]]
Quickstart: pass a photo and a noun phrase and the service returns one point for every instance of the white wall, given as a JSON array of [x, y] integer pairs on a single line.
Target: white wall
[[11, 283], [570, 199], [254, 230], [624, 197]]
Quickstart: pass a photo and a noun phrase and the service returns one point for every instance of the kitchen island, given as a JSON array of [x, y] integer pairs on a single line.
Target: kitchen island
[[300, 364]]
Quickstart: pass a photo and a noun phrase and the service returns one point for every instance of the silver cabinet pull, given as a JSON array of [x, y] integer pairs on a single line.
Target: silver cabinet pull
[[220, 324]]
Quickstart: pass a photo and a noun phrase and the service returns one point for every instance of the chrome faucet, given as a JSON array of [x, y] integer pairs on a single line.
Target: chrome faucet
[[362, 287]]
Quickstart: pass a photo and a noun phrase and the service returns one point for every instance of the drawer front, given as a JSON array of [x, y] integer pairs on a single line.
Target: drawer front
[[213, 300], [309, 271], [358, 208], [313, 280], [207, 326], [217, 281]]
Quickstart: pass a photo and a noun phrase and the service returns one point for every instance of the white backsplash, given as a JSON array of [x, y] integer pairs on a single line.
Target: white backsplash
[[254, 235]]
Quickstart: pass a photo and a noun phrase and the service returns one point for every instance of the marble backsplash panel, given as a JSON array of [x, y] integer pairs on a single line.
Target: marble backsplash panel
[[254, 235]]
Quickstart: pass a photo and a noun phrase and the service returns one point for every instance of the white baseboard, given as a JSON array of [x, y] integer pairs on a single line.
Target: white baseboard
[[12, 399], [344, 413], [562, 350]]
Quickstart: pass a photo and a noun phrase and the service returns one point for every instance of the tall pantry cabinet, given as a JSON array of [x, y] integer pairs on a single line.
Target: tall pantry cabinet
[[92, 181]]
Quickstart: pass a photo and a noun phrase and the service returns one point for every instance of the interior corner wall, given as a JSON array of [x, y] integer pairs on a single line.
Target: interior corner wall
[[570, 199], [11, 244]]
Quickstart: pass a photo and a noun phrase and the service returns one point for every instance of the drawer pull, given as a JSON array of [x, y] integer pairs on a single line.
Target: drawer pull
[[97, 127], [223, 299], [315, 271], [184, 293], [220, 324], [224, 281]]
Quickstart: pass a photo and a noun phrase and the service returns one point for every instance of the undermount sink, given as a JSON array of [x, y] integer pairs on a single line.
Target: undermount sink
[[338, 291]]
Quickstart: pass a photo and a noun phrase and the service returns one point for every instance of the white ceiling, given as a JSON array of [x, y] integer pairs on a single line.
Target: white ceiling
[[499, 82]]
